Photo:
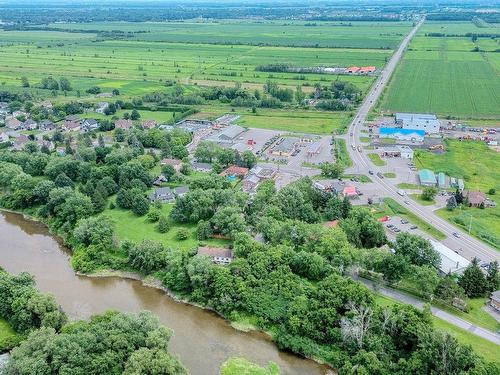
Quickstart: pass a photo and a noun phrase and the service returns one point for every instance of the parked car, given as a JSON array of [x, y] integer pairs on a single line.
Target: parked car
[[413, 227], [403, 221], [397, 230], [389, 225], [370, 172]]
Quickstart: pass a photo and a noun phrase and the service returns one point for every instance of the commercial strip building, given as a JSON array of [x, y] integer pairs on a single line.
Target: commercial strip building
[[404, 152], [451, 262]]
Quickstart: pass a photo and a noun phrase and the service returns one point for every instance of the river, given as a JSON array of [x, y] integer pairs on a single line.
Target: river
[[202, 339]]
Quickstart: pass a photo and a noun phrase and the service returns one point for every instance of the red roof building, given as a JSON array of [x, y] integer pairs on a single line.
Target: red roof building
[[350, 191], [353, 69], [367, 69], [123, 124], [234, 170]]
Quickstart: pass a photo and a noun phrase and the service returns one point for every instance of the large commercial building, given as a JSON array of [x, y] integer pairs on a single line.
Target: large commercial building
[[418, 121]]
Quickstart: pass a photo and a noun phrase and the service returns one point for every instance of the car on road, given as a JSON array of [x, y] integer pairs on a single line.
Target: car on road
[[380, 175], [413, 227], [401, 192], [359, 148], [457, 235], [407, 202], [350, 134], [370, 172], [353, 147]]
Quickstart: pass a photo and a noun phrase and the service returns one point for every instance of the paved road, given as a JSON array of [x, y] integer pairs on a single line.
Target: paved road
[[466, 245], [419, 304]]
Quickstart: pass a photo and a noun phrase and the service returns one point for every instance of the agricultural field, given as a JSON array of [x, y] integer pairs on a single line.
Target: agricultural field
[[477, 164], [383, 35], [451, 76]]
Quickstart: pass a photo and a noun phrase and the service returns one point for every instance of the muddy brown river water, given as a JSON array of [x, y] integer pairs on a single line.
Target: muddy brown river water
[[202, 339]]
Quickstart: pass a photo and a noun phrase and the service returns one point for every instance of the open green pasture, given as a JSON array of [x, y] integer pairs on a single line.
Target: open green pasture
[[383, 35], [137, 228], [136, 67]]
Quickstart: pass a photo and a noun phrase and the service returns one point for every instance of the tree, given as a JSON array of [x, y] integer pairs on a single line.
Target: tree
[[140, 205], [451, 203], [425, 279], [182, 234], [115, 92], [25, 82], [429, 193], [228, 221], [333, 209], [64, 84], [356, 326], [473, 281], [204, 230], [448, 289], [99, 200], [168, 171], [459, 197], [146, 256], [248, 159], [493, 277], [163, 224], [417, 250], [363, 230], [394, 267], [331, 170], [135, 115]]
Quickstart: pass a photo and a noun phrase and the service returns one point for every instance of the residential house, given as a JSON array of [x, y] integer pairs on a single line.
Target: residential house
[[71, 126], [149, 124], [104, 95], [14, 124], [89, 124], [235, 171], [160, 180], [124, 124], [202, 167], [4, 137], [176, 163], [30, 124], [101, 107], [44, 143], [46, 125], [168, 195], [250, 183], [219, 255], [495, 300], [475, 198], [20, 141]]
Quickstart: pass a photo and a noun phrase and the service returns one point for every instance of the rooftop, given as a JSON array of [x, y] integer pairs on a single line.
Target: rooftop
[[450, 261], [395, 131], [427, 176]]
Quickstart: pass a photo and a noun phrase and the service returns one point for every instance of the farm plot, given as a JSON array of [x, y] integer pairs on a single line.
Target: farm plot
[[383, 35], [459, 84], [137, 67], [455, 28]]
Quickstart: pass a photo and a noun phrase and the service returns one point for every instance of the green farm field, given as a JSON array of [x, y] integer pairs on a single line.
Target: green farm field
[[383, 35], [444, 76], [136, 67]]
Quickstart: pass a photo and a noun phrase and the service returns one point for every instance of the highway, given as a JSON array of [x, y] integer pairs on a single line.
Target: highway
[[465, 245]]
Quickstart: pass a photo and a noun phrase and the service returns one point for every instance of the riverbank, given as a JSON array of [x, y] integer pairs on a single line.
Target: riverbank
[[197, 330]]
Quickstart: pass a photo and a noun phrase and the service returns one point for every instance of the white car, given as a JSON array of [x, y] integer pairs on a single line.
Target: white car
[[401, 192]]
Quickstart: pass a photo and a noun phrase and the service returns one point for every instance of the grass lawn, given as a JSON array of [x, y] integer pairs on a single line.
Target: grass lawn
[[478, 165], [393, 208], [483, 347], [364, 139], [418, 198], [242, 366], [390, 175], [405, 185], [137, 228], [300, 121], [7, 335], [375, 158], [360, 177]]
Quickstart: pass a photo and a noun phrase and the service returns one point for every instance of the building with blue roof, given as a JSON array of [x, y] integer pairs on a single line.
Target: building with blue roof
[[413, 135], [442, 180], [427, 177], [421, 121]]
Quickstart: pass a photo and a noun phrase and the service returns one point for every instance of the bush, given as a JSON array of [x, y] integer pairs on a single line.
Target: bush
[[153, 216], [163, 224], [182, 234]]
